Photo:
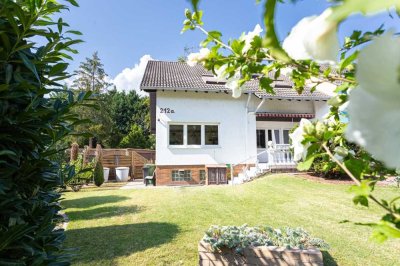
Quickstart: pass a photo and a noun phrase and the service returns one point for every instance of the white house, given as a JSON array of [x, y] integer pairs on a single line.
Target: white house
[[204, 135]]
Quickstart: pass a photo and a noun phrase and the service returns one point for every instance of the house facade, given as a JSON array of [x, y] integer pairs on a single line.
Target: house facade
[[205, 136]]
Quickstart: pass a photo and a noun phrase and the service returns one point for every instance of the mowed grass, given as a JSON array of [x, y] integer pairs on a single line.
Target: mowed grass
[[162, 226]]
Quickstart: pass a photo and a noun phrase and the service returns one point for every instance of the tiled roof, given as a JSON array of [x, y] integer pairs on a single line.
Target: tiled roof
[[162, 75]]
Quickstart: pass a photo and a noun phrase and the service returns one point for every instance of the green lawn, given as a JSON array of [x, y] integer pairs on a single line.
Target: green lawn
[[162, 226]]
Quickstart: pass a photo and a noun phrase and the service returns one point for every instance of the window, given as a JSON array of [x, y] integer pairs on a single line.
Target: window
[[211, 134], [194, 134], [181, 175], [191, 135], [202, 175], [261, 138], [269, 135], [277, 136], [175, 134], [285, 136]]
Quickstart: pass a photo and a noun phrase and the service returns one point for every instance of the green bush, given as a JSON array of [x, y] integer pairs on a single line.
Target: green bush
[[240, 237], [82, 173], [98, 174], [35, 117]]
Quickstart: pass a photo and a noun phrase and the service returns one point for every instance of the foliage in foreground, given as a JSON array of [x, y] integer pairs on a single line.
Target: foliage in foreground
[[240, 237], [312, 57], [33, 120]]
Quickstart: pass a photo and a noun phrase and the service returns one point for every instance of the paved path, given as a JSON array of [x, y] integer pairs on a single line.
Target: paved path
[[134, 185]]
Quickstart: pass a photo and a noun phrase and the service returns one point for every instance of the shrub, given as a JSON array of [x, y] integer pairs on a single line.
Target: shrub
[[98, 174], [81, 173], [240, 237], [35, 117]]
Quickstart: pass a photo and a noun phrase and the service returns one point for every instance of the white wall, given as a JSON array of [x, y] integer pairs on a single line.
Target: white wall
[[237, 127], [235, 144]]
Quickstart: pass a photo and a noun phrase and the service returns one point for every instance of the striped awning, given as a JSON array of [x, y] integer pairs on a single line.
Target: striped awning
[[284, 115]]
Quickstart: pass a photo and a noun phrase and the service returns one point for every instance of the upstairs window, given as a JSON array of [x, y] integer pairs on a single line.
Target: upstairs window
[[211, 134], [194, 134], [191, 135], [176, 135]]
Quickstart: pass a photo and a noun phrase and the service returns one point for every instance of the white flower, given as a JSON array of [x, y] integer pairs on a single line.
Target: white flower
[[248, 38], [315, 38], [325, 87], [194, 58], [233, 84], [297, 137], [374, 106]]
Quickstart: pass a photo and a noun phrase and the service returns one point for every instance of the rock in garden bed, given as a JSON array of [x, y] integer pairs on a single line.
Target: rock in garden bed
[[243, 245]]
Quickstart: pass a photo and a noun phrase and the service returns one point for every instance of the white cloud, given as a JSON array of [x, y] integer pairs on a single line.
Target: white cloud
[[130, 78]]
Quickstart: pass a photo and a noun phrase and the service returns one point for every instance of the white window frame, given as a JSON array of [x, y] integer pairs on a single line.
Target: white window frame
[[281, 129], [203, 135]]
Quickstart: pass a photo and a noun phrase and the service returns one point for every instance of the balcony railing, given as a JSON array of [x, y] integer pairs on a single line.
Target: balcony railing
[[280, 155]]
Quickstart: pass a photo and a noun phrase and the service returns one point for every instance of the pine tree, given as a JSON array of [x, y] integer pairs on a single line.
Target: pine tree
[[91, 76]]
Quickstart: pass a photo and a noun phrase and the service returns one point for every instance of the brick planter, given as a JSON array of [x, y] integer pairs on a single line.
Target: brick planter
[[260, 256]]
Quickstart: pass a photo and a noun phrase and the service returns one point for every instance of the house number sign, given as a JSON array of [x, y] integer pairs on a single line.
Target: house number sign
[[167, 111]]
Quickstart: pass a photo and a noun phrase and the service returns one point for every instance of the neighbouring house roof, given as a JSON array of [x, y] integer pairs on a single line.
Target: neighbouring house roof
[[163, 75]]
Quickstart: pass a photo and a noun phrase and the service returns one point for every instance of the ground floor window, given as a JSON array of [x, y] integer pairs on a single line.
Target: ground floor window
[[181, 175], [202, 175], [261, 138]]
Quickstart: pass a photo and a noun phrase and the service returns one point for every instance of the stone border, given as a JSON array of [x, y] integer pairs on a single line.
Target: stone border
[[263, 255]]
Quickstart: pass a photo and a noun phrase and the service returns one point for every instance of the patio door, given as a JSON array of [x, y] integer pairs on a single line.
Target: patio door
[[266, 135], [217, 176]]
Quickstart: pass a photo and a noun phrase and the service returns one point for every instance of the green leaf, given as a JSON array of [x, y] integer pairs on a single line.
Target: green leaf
[[362, 200], [347, 61], [356, 166], [28, 63], [271, 40], [306, 165], [237, 46], [74, 32], [265, 84], [349, 7], [73, 2]]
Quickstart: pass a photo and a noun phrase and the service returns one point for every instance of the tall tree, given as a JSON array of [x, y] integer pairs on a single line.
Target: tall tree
[[91, 75]]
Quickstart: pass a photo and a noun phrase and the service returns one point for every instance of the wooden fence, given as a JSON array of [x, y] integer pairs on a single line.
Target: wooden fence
[[135, 159]]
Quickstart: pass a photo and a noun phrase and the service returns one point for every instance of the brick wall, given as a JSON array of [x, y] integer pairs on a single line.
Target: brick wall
[[163, 174], [164, 177]]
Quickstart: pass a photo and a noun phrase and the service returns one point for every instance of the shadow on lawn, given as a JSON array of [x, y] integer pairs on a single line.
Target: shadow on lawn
[[328, 259], [103, 212], [88, 202], [104, 244]]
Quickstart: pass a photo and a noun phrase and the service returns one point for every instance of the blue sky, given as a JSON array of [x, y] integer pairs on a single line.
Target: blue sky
[[122, 31]]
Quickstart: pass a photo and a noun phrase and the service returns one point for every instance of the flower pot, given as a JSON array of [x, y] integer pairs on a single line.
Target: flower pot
[[122, 174], [106, 171]]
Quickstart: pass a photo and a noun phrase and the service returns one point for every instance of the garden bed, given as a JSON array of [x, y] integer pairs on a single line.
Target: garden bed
[[261, 245], [262, 255]]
